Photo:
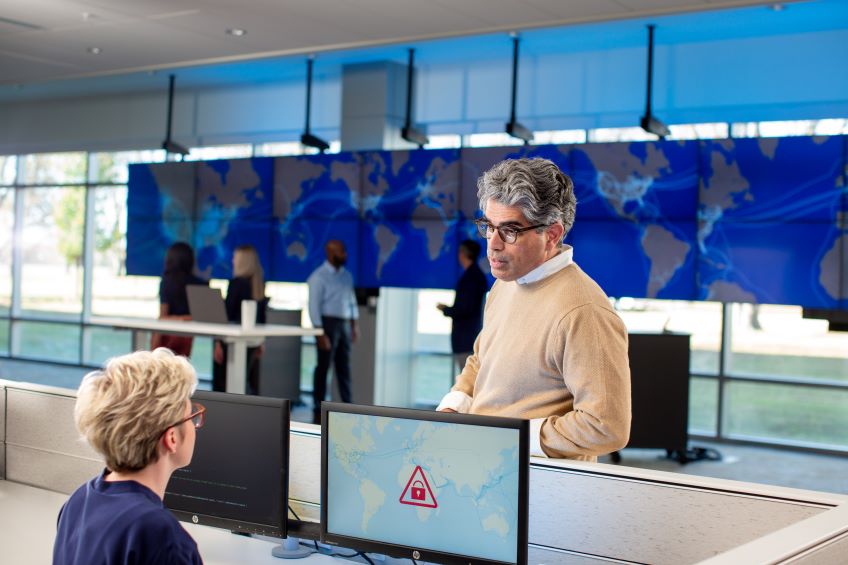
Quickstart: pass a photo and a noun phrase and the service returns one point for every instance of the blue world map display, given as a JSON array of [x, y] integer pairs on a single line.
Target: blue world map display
[[748, 220]]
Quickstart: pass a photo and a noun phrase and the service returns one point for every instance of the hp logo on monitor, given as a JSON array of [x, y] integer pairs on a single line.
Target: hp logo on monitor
[[195, 519]]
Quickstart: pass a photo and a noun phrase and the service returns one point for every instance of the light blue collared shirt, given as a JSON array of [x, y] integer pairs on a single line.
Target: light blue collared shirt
[[331, 294]]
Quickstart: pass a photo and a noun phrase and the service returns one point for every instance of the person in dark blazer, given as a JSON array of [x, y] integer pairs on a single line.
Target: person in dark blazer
[[467, 309], [173, 302], [248, 283]]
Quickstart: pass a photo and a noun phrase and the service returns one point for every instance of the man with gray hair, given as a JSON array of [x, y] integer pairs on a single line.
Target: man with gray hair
[[552, 349]]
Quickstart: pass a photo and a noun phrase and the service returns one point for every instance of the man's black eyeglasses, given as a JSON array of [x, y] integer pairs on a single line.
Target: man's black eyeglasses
[[508, 233]]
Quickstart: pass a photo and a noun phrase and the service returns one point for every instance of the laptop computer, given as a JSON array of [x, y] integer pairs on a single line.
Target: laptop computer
[[205, 304]]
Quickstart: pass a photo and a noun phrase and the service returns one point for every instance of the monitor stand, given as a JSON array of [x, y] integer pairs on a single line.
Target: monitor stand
[[291, 549]]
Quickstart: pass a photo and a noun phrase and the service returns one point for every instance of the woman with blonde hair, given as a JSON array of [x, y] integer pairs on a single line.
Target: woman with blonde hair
[[137, 413], [248, 283]]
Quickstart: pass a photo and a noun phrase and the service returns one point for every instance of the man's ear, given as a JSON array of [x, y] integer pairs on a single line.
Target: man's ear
[[556, 233]]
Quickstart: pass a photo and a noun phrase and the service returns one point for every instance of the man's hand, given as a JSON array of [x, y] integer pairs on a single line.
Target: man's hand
[[441, 306], [324, 342], [451, 410], [218, 353], [354, 332]]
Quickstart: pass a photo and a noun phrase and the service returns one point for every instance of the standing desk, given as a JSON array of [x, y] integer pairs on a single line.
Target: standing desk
[[238, 339]]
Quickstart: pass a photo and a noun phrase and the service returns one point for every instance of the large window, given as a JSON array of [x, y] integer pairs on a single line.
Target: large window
[[52, 249], [760, 373], [433, 369], [8, 169], [787, 414], [701, 320], [48, 341], [776, 341], [113, 292], [7, 221]]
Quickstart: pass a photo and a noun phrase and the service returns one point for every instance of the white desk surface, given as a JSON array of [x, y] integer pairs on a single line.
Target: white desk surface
[[28, 529], [203, 328]]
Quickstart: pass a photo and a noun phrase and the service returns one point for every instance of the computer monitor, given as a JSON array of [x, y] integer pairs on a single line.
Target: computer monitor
[[432, 486], [238, 476], [205, 304]]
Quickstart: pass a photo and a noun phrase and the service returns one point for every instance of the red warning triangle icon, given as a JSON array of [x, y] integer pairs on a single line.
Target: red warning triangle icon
[[417, 491]]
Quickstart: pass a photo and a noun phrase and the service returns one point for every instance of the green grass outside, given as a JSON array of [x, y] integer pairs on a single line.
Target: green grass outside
[[703, 405], [55, 342], [4, 337], [785, 412]]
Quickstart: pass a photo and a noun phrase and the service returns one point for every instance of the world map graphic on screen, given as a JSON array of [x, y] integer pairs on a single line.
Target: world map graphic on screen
[[752, 220], [465, 476]]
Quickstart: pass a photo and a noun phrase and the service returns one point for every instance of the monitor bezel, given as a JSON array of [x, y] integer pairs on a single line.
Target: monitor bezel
[[423, 554], [278, 530]]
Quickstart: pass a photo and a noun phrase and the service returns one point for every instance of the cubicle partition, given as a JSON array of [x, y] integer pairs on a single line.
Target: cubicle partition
[[579, 512], [2, 432], [43, 448]]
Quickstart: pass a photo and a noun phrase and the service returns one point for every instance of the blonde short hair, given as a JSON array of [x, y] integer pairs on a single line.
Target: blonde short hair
[[124, 409]]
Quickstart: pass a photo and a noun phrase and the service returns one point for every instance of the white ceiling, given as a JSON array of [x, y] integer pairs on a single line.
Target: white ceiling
[[46, 40]]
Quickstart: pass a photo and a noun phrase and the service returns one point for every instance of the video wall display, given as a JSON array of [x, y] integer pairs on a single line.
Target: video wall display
[[752, 220]]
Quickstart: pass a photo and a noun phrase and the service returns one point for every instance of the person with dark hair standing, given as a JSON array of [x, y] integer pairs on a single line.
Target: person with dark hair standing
[[173, 302], [552, 349], [332, 306], [467, 309], [248, 283]]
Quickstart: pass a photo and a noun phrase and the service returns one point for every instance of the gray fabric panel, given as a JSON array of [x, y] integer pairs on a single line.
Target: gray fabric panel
[[52, 471], [44, 421], [635, 520], [2, 432]]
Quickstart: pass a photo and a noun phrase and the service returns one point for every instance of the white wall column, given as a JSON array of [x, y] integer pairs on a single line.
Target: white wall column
[[373, 111]]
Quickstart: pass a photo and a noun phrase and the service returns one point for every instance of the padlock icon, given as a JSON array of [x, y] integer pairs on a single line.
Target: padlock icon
[[417, 491]]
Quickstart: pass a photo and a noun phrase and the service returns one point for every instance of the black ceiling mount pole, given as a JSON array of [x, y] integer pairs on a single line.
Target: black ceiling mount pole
[[309, 63], [410, 71], [171, 79], [307, 138], [168, 145], [410, 133], [513, 128], [650, 69], [514, 78], [650, 123]]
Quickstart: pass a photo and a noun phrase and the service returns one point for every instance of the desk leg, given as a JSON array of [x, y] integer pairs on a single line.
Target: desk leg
[[140, 340], [236, 363]]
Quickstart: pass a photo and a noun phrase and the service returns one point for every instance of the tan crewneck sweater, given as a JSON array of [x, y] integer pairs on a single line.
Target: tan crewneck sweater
[[554, 349]]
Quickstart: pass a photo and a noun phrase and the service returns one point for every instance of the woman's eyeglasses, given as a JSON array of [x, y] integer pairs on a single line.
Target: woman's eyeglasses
[[197, 417]]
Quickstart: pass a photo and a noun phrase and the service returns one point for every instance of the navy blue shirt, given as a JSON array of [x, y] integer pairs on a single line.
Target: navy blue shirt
[[106, 523], [467, 309]]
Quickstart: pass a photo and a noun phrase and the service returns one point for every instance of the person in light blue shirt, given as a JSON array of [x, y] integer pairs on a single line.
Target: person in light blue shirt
[[332, 307]]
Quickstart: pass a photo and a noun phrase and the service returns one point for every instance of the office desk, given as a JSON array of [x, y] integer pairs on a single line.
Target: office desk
[[28, 529], [237, 338]]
